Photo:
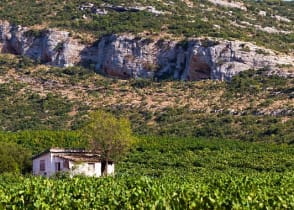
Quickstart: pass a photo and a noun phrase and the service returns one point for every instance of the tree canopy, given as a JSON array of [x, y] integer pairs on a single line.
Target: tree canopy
[[14, 158], [108, 135]]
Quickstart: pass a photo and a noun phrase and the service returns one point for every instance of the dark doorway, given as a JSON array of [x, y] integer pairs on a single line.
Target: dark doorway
[[103, 168]]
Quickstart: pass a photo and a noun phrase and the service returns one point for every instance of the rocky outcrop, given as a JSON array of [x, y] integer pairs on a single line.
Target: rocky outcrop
[[50, 46], [127, 56], [230, 4]]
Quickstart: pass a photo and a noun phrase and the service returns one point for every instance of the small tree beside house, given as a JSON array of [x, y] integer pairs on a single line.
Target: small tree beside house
[[109, 136]]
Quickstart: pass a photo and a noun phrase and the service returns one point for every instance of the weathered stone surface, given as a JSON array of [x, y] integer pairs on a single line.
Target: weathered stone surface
[[51, 46], [4, 35], [127, 56]]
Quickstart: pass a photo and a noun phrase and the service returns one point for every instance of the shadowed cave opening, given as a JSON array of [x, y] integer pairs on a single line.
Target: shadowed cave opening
[[199, 71]]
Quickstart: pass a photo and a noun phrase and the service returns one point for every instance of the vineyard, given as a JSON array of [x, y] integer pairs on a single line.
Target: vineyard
[[208, 144], [264, 191], [170, 173]]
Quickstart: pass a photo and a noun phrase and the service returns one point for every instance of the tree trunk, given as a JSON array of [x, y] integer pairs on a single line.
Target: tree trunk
[[105, 171]]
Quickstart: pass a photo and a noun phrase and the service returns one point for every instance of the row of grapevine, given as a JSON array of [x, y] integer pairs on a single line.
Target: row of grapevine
[[264, 191], [157, 156]]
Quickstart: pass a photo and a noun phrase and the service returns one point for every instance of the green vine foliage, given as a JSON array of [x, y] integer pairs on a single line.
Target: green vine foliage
[[273, 191], [169, 173]]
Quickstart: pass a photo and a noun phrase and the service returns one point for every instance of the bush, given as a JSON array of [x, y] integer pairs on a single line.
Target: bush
[[14, 158]]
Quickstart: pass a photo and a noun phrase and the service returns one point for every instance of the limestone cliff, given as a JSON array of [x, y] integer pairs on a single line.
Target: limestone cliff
[[127, 56]]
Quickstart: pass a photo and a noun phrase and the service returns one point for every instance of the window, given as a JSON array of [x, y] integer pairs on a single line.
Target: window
[[91, 166], [66, 164], [57, 166], [42, 165]]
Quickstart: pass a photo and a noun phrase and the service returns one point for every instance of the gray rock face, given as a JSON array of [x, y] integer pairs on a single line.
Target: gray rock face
[[51, 47], [4, 36], [127, 56]]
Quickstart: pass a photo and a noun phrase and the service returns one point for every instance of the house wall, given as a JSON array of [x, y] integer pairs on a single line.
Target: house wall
[[50, 161], [58, 160], [48, 168], [36, 164], [83, 168], [110, 169], [74, 168], [86, 169]]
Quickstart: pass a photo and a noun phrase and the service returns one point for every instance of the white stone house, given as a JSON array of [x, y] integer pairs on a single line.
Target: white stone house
[[73, 161]]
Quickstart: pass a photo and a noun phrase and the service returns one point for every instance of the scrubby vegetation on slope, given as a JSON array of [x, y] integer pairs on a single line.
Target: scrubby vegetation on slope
[[179, 18], [251, 107]]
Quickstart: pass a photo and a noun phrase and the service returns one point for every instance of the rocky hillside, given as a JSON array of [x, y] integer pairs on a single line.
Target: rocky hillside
[[268, 23], [251, 106], [129, 56], [51, 51], [178, 39]]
